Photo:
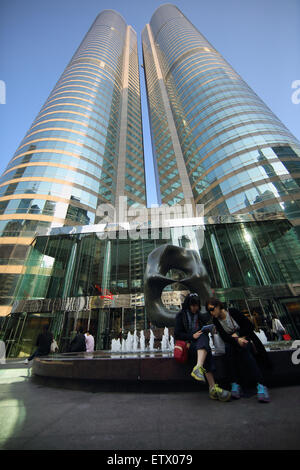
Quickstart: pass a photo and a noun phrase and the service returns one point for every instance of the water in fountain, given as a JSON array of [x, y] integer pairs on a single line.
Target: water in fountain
[[129, 342], [135, 341], [165, 340], [151, 341], [116, 345], [142, 341]]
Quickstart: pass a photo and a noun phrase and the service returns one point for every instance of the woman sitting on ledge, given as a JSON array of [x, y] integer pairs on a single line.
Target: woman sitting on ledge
[[241, 346], [188, 328]]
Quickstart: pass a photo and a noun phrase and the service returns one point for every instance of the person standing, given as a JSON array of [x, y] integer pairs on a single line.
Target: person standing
[[240, 340], [43, 343], [89, 342], [277, 328], [189, 323]]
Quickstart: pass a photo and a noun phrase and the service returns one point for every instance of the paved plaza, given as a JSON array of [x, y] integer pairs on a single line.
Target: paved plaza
[[34, 417]]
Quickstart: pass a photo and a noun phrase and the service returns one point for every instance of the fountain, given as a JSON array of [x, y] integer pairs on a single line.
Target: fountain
[[165, 345], [129, 342], [135, 343], [116, 345], [172, 344], [126, 345], [142, 341], [151, 341]]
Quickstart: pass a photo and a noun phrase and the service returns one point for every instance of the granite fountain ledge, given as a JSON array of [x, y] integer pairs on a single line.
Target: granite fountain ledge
[[100, 370]]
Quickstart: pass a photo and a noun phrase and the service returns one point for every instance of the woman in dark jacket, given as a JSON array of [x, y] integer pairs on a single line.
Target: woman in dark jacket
[[78, 344], [43, 344], [241, 343], [189, 327]]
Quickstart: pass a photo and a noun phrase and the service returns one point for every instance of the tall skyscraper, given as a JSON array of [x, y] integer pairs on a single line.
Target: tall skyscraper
[[84, 148], [215, 141]]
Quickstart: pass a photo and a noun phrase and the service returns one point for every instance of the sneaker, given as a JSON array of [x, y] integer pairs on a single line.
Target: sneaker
[[218, 393], [198, 373], [235, 391], [262, 394], [26, 361]]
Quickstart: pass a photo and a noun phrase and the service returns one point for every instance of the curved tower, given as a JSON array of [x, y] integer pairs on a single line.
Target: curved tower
[[84, 148], [215, 141]]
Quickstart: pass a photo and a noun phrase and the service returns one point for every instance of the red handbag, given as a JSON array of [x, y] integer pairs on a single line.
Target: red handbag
[[287, 337], [180, 351]]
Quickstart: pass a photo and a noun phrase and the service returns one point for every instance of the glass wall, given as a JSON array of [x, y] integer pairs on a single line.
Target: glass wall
[[83, 280]]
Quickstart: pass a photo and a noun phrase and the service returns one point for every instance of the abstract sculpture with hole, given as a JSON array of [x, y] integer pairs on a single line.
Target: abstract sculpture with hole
[[160, 261]]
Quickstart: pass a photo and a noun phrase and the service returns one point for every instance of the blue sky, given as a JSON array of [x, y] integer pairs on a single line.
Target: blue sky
[[260, 39]]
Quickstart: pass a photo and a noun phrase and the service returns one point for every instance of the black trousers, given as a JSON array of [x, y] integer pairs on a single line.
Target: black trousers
[[36, 353], [242, 365]]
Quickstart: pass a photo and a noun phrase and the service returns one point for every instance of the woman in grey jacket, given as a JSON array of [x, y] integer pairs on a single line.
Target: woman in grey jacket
[[241, 342]]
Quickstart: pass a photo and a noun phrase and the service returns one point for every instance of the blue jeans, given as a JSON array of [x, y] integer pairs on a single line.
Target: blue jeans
[[202, 343]]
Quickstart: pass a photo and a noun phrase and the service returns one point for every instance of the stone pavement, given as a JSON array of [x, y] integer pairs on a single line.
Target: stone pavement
[[36, 417]]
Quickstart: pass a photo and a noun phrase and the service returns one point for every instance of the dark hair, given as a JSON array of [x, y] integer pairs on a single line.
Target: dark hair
[[215, 302], [191, 299], [80, 330], [46, 327]]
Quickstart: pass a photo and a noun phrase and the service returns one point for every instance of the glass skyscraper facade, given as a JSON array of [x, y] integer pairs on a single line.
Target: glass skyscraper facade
[[214, 139], [84, 148]]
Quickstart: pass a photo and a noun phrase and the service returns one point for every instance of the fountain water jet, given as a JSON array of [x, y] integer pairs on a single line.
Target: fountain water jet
[[135, 343]]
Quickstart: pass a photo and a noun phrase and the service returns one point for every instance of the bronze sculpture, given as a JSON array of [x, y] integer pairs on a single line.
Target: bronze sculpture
[[160, 261]]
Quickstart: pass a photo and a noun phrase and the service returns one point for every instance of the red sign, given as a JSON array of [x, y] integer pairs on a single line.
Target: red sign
[[105, 294]]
